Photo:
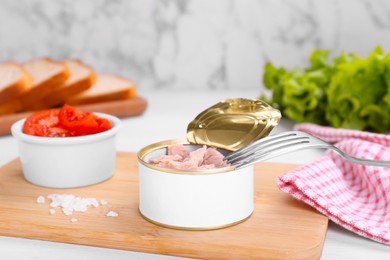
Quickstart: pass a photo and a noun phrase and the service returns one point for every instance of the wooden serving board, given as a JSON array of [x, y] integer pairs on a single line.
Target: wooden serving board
[[120, 108], [279, 228]]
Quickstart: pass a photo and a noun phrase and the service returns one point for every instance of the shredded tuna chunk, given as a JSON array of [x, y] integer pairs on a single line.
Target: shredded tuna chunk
[[179, 157], [178, 149], [213, 157]]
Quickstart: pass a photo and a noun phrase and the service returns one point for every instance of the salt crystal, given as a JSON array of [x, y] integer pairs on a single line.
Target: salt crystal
[[112, 214], [71, 203], [80, 204], [41, 200], [67, 211], [94, 202]]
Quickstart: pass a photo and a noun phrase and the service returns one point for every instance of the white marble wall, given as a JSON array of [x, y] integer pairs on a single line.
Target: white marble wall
[[190, 44]]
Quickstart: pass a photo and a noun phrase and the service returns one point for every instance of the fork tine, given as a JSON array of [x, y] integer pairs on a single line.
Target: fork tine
[[264, 143], [269, 148], [268, 155], [258, 143]]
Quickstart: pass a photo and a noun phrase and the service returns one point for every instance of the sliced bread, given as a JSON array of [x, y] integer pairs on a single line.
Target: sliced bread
[[13, 81], [81, 78], [105, 88], [46, 75]]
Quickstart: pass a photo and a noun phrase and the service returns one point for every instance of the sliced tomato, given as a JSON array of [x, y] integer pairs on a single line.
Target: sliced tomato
[[63, 122], [103, 124], [82, 123], [45, 123]]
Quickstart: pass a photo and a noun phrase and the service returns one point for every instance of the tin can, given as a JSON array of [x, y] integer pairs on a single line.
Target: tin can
[[192, 199], [210, 198]]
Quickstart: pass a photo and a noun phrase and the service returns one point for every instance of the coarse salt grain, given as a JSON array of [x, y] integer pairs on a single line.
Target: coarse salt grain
[[94, 202], [112, 214], [41, 200], [70, 203]]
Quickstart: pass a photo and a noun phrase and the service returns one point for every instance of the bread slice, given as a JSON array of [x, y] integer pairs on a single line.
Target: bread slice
[[105, 88], [46, 75], [81, 78], [13, 81]]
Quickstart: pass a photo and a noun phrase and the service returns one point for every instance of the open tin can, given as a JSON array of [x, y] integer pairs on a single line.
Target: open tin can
[[208, 198], [192, 199]]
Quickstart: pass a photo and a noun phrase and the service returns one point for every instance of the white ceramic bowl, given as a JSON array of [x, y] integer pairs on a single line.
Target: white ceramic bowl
[[192, 200], [67, 162]]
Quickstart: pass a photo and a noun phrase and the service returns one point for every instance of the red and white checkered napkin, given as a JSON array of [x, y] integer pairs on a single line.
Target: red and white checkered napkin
[[354, 196]]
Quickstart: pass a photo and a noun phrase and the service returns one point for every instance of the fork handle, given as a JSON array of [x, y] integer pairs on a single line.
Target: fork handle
[[360, 160]]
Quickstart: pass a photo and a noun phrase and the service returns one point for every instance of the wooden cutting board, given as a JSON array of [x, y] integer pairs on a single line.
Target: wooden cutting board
[[120, 108], [279, 228]]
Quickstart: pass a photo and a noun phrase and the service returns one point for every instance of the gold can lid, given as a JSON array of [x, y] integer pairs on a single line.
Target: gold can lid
[[233, 123]]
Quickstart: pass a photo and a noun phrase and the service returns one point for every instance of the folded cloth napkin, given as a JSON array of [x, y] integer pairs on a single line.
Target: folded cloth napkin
[[352, 195]]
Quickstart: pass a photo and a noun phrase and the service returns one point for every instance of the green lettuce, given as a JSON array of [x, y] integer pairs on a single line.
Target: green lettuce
[[346, 91]]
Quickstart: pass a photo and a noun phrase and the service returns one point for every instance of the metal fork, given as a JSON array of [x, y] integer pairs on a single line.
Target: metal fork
[[287, 142]]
